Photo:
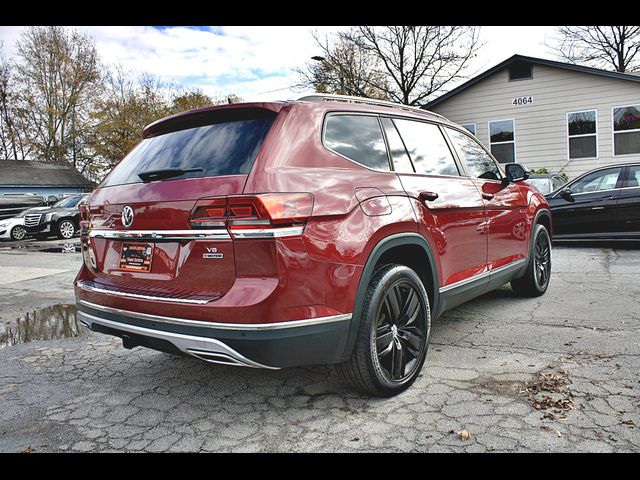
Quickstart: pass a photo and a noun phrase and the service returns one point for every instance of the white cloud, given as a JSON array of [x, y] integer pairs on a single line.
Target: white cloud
[[255, 63]]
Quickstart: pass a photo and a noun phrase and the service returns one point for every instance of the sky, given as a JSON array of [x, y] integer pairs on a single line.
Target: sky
[[256, 63]]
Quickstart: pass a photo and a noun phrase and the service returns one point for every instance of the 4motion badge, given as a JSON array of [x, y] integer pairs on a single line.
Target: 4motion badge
[[212, 253]]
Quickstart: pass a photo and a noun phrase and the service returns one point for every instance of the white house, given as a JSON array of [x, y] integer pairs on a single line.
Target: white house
[[541, 113]]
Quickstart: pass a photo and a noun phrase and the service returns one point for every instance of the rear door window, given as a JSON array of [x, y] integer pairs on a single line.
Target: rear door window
[[359, 138], [401, 161], [223, 148], [427, 148]]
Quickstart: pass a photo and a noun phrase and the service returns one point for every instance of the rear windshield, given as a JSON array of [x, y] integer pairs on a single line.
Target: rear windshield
[[225, 148]]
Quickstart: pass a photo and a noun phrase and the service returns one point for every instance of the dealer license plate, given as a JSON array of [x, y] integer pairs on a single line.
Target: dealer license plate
[[136, 257]]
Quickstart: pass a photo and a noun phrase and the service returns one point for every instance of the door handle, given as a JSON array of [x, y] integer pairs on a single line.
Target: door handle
[[428, 196], [487, 196]]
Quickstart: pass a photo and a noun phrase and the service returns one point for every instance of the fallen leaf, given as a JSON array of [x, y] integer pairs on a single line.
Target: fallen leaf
[[545, 427], [464, 435], [355, 439], [295, 421], [558, 433], [628, 422], [452, 431], [28, 449]]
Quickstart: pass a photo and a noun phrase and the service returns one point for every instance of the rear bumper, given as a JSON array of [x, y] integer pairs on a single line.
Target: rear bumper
[[274, 345]]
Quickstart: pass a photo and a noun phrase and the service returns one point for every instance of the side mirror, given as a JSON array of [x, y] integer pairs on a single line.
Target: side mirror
[[515, 172], [566, 194], [51, 199]]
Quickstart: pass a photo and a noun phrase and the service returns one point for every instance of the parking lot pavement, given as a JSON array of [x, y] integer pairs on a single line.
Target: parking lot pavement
[[557, 373]]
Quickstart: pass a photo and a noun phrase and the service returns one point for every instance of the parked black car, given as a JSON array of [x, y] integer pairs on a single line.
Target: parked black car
[[546, 182], [61, 219], [11, 204], [602, 203]]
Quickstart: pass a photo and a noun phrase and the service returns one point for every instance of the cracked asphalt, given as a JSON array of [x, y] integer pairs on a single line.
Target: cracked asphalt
[[553, 374]]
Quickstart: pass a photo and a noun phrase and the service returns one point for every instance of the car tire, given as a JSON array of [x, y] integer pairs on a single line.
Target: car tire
[[18, 233], [538, 274], [393, 334], [66, 229]]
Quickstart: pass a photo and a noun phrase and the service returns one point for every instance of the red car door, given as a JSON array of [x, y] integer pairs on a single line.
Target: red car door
[[449, 207], [507, 221]]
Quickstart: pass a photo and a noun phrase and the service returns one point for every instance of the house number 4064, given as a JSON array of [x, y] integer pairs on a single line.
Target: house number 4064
[[522, 101]]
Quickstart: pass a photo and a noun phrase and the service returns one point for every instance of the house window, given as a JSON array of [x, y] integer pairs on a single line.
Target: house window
[[469, 126], [582, 130], [520, 71], [502, 138], [626, 130]]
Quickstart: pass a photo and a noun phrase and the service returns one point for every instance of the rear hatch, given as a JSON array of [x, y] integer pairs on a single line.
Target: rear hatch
[[138, 228]]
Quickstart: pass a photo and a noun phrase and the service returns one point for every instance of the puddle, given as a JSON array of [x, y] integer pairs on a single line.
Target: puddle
[[48, 323]]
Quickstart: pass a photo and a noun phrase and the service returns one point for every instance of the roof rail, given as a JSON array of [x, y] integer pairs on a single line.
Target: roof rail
[[325, 97]]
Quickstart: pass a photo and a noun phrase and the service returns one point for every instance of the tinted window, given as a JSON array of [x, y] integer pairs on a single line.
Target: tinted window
[[227, 148], [478, 163], [359, 138], [633, 179], [401, 161], [69, 202], [596, 181], [427, 148]]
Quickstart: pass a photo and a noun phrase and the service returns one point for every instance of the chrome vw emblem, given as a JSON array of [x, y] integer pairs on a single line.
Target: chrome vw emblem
[[127, 216]]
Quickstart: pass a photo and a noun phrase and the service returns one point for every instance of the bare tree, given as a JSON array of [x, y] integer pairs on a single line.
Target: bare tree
[[12, 142], [58, 73], [417, 61], [344, 69], [606, 47]]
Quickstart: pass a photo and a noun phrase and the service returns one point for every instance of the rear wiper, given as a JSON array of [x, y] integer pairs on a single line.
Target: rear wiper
[[151, 175]]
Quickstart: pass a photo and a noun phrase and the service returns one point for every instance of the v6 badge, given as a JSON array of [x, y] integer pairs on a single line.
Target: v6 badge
[[212, 253]]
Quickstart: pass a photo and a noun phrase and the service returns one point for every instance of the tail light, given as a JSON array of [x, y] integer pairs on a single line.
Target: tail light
[[264, 215], [84, 219]]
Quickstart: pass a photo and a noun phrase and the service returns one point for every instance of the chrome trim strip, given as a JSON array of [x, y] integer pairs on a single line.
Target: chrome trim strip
[[480, 276], [118, 293], [217, 234], [267, 232], [188, 344], [222, 326]]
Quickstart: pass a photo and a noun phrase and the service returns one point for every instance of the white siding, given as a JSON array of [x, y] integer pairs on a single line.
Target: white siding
[[541, 128]]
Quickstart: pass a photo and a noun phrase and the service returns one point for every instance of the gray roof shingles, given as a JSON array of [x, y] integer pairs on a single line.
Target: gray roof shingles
[[24, 172]]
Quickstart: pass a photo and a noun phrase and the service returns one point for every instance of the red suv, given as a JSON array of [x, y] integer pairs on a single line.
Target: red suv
[[328, 230]]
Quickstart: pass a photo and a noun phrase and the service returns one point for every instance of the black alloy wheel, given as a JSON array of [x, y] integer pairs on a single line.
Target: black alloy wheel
[[400, 332], [535, 280], [542, 260], [394, 323]]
